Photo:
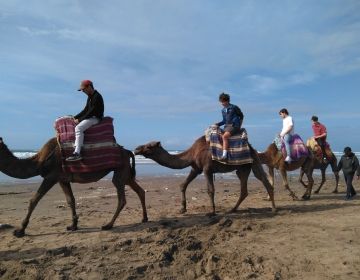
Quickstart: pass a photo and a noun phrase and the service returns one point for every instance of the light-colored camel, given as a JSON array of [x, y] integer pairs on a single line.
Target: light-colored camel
[[47, 163], [274, 160], [319, 164], [198, 156]]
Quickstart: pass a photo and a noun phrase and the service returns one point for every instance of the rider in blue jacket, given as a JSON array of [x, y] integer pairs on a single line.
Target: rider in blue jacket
[[232, 121]]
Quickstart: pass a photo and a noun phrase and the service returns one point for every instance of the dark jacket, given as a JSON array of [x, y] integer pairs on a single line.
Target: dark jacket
[[232, 115], [94, 108], [348, 164]]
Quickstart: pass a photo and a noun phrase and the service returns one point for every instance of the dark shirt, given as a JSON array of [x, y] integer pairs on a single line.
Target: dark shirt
[[94, 108], [232, 115], [349, 164]]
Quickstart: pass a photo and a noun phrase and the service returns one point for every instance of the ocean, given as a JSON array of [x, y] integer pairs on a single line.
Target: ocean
[[144, 167]]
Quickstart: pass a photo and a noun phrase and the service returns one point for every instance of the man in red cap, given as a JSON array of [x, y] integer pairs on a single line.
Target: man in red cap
[[89, 116]]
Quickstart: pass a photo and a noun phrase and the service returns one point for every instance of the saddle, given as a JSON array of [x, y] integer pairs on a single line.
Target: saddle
[[313, 145], [239, 149], [100, 150], [298, 148]]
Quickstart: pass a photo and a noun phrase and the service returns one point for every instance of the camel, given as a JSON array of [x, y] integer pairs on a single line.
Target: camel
[[274, 159], [198, 156], [47, 163], [319, 164]]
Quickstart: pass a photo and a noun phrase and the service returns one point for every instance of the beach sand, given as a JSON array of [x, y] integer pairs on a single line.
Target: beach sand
[[316, 239]]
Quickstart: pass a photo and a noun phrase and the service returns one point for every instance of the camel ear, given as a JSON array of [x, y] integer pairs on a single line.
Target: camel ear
[[158, 144], [1, 140]]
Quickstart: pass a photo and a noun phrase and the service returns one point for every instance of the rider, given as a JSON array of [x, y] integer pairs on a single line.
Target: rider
[[89, 116], [232, 121], [287, 131], [320, 134]]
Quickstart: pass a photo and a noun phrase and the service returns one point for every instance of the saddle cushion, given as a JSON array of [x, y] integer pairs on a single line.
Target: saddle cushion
[[239, 150], [313, 145], [100, 150], [297, 147]]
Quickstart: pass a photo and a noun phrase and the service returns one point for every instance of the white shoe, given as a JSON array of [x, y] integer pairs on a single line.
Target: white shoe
[[288, 159]]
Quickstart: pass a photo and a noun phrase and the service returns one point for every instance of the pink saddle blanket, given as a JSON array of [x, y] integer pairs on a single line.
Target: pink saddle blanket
[[100, 150]]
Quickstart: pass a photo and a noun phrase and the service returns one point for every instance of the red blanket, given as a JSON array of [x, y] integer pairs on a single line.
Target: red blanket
[[99, 151]]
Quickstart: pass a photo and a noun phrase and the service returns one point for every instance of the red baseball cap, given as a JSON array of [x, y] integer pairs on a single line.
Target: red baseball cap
[[84, 84]]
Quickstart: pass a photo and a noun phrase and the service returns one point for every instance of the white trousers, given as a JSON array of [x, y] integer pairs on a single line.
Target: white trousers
[[79, 132]]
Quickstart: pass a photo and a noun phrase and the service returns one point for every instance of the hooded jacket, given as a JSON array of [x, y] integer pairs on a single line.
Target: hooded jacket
[[348, 164]]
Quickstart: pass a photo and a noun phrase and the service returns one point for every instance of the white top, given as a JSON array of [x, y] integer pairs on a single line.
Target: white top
[[288, 126]]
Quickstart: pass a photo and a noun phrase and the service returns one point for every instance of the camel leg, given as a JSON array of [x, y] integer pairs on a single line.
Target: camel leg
[[336, 173], [45, 186], [302, 172], [211, 192], [141, 194], [307, 194], [118, 182], [192, 175], [271, 176], [243, 175], [323, 180], [70, 199], [261, 175], [286, 184]]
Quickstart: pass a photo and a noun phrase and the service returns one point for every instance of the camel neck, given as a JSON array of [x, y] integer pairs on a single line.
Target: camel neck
[[178, 161], [18, 168]]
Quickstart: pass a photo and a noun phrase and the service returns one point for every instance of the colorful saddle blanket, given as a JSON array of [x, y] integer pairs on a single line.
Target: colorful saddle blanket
[[316, 149], [239, 150], [297, 147], [100, 150]]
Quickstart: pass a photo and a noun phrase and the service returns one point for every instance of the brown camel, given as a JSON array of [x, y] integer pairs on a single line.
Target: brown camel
[[47, 163], [319, 164], [274, 159], [199, 158]]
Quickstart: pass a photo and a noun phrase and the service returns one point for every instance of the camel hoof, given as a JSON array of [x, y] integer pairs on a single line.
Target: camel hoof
[[182, 211], [106, 227], [144, 220], [335, 191], [71, 228], [305, 197], [316, 191], [19, 233]]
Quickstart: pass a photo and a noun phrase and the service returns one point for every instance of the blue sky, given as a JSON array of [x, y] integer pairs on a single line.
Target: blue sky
[[160, 66]]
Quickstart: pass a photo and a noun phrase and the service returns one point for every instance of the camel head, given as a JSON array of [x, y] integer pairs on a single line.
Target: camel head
[[148, 149]]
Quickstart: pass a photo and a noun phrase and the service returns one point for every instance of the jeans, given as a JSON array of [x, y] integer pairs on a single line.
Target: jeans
[[350, 191], [79, 132], [287, 138]]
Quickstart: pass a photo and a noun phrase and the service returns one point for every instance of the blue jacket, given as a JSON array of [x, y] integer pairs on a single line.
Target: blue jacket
[[231, 115]]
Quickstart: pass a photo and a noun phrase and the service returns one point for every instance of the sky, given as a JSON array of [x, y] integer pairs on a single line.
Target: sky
[[160, 66]]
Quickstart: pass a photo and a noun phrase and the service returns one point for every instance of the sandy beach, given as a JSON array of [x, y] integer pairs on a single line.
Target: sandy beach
[[316, 239]]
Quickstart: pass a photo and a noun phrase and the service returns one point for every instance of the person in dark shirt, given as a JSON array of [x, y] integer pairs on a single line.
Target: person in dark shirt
[[232, 121], [89, 116], [349, 164]]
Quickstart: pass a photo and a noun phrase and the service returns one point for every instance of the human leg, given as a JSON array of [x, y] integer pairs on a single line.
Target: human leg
[[350, 191], [287, 138], [79, 136]]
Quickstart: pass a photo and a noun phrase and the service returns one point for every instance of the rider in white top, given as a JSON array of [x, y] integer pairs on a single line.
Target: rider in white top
[[287, 131]]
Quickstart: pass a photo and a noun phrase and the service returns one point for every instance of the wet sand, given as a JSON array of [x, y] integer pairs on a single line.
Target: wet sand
[[316, 239]]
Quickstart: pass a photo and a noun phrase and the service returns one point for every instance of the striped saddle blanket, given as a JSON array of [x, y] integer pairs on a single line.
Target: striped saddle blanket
[[297, 147], [239, 150], [100, 150]]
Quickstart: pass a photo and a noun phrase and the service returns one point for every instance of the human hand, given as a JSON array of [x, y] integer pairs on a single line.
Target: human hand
[[76, 121]]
